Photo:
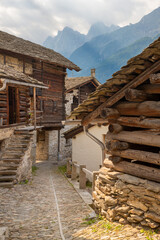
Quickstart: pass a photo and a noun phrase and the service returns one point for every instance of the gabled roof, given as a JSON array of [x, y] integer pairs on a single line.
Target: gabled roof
[[112, 91], [18, 45], [75, 82], [9, 73]]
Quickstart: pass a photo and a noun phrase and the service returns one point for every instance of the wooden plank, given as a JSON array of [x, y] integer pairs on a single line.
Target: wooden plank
[[121, 93], [137, 170]]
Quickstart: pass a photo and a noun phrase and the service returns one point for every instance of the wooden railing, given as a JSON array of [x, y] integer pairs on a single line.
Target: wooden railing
[[74, 170]]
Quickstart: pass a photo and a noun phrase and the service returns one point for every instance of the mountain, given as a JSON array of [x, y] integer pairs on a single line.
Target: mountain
[[102, 50], [99, 28], [68, 40]]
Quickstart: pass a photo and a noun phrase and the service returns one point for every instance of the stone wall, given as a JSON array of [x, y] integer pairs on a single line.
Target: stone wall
[[69, 100], [24, 170], [42, 148], [127, 199]]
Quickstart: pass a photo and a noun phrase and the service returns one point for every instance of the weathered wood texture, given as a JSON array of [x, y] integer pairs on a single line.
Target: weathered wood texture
[[121, 93], [137, 137], [135, 95], [22, 105], [134, 169], [50, 101], [141, 122], [147, 108], [138, 155]]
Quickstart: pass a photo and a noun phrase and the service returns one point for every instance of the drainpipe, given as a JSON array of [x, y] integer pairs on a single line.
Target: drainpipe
[[58, 147], [101, 144]]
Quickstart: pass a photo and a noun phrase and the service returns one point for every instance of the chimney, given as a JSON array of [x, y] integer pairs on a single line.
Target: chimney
[[93, 70]]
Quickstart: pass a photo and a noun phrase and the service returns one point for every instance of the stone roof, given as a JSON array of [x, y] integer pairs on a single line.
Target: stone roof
[[75, 82], [135, 66], [7, 72], [18, 45]]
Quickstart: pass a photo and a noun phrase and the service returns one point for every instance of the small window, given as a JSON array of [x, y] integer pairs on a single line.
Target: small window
[[38, 92]]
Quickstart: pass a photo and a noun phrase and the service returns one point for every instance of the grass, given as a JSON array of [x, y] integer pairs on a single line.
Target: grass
[[24, 181], [88, 184], [148, 233], [34, 169], [62, 169]]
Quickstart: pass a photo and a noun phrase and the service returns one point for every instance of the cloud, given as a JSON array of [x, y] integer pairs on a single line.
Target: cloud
[[36, 19]]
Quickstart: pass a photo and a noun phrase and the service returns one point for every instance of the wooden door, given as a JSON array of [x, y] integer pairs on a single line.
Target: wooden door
[[13, 105]]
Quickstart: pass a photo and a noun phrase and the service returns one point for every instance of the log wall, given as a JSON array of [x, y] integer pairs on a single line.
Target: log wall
[[23, 104], [128, 186], [49, 101]]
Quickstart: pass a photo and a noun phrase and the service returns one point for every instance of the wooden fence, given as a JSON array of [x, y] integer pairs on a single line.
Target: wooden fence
[[74, 170]]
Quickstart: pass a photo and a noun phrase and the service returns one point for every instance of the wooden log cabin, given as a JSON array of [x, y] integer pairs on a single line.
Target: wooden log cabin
[[48, 67], [16, 140], [78, 89], [14, 97], [128, 186]]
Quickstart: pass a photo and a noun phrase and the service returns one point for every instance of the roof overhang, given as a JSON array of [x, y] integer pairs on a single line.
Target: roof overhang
[[6, 80], [121, 93]]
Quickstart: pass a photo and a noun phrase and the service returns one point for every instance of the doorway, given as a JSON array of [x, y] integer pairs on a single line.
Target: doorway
[[12, 99]]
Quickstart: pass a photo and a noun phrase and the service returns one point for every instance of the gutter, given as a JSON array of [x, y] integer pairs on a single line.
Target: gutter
[[101, 144], [5, 81]]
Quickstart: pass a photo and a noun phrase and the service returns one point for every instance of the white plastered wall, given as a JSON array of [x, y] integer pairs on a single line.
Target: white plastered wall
[[86, 151]]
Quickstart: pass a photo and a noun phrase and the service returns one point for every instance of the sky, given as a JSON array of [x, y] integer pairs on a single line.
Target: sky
[[35, 20]]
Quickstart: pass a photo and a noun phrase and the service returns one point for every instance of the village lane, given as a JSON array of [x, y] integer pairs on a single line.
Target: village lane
[[29, 210]]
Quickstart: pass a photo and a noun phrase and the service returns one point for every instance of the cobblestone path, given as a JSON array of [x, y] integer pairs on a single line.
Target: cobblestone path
[[29, 210]]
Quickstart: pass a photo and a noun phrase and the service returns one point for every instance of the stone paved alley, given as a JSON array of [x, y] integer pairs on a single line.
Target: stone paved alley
[[29, 211]]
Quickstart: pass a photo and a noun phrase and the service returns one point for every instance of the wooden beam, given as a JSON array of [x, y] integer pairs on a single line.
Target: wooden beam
[[121, 93], [153, 123], [147, 108], [151, 88], [134, 169], [137, 137], [109, 113], [135, 95], [138, 155]]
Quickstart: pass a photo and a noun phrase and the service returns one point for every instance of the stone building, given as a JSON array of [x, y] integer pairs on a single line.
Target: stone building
[[127, 187]]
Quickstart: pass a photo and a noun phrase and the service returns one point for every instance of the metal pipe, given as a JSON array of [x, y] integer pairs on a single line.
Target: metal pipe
[[58, 147], [101, 144]]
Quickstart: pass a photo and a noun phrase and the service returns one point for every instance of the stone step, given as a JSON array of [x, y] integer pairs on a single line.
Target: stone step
[[7, 178], [26, 133], [6, 184], [6, 172], [12, 155], [10, 166], [15, 150], [18, 145], [12, 160]]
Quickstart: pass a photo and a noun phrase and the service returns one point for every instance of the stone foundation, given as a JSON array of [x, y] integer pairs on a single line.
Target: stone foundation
[[24, 170], [127, 199]]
